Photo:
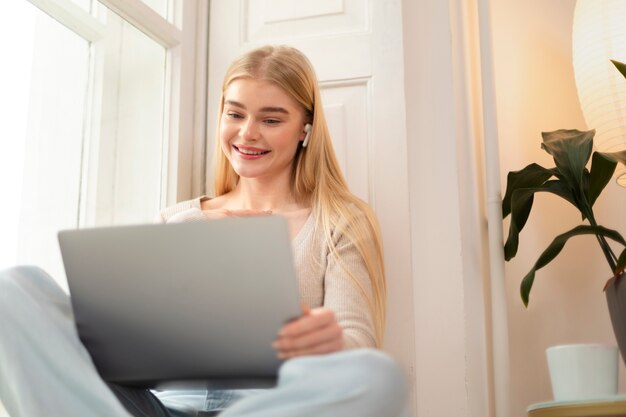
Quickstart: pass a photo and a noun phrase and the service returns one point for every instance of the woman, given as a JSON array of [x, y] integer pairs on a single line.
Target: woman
[[274, 156]]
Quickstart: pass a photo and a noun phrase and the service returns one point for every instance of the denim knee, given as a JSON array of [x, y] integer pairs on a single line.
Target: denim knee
[[11, 295], [378, 373], [382, 383], [367, 374], [20, 276], [12, 281], [22, 286]]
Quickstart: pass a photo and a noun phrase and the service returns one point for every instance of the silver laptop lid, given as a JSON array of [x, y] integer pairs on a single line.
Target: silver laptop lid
[[189, 301]]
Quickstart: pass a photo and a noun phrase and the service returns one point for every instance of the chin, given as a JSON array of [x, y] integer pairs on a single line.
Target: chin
[[248, 173]]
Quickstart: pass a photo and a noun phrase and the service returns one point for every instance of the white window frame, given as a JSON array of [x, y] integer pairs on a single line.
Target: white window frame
[[184, 160]]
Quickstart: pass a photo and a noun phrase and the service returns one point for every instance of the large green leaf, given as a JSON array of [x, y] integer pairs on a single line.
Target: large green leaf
[[531, 176], [571, 150], [602, 169], [521, 204], [620, 66], [618, 157], [555, 248], [560, 188]]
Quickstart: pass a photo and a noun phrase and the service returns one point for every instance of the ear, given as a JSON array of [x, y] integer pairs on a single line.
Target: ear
[[307, 129]]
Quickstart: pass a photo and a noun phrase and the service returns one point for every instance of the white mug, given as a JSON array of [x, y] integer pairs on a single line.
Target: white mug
[[583, 372]]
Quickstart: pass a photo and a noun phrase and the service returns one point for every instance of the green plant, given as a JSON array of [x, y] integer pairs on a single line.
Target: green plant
[[571, 180]]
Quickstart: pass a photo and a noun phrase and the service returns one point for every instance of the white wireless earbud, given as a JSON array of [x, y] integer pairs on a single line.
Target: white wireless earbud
[[307, 129]]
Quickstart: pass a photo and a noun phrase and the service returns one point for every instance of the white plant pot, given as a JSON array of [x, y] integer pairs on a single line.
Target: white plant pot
[[583, 372]]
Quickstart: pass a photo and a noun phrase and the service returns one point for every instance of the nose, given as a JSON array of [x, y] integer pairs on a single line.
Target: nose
[[249, 130]]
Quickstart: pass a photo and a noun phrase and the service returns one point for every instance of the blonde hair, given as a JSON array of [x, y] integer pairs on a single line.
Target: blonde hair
[[317, 178]]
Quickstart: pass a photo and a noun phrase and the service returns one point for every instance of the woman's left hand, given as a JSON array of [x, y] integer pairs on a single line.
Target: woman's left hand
[[315, 332]]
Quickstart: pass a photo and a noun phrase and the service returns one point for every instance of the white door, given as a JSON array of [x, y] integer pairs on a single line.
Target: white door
[[356, 49]]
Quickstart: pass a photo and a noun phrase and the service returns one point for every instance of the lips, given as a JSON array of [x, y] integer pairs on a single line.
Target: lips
[[250, 152]]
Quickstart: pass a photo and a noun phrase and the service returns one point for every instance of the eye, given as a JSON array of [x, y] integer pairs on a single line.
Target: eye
[[271, 121], [233, 115]]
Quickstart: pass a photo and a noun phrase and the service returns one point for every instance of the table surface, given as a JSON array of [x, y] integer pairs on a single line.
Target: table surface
[[615, 406]]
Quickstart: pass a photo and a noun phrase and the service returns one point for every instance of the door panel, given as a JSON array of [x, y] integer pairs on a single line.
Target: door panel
[[346, 107], [279, 20], [335, 36], [356, 49]]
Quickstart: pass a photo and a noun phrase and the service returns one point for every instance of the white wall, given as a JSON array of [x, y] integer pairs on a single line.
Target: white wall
[[446, 227], [536, 92]]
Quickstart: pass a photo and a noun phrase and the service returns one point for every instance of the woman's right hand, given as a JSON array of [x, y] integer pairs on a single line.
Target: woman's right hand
[[316, 332]]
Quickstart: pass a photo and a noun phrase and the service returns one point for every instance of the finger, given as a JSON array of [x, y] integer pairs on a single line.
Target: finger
[[317, 318], [305, 309], [331, 346], [311, 339]]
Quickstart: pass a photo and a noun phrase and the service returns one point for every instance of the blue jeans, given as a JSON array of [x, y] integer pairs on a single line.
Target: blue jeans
[[45, 370], [187, 403]]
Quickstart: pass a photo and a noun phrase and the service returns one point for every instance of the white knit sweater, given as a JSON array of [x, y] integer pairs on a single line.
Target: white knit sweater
[[322, 281]]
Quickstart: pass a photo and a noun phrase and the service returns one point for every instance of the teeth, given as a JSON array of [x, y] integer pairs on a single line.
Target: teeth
[[247, 152]]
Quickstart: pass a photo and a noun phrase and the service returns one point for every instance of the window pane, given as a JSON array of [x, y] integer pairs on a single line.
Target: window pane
[[15, 85], [84, 4], [131, 136], [46, 137], [159, 6], [165, 8], [83, 141]]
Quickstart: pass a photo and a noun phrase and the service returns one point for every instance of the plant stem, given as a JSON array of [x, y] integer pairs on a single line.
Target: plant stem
[[608, 253], [604, 245]]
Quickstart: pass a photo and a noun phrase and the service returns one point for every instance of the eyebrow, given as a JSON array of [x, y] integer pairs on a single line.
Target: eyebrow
[[268, 109]]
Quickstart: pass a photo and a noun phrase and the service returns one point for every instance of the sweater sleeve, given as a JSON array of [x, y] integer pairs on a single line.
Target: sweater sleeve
[[184, 211], [347, 289]]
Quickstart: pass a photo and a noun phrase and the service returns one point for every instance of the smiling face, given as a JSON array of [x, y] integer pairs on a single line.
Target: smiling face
[[260, 128]]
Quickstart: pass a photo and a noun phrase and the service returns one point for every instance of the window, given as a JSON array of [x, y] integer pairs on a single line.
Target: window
[[96, 97]]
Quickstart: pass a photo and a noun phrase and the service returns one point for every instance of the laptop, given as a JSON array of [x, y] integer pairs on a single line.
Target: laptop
[[199, 301]]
